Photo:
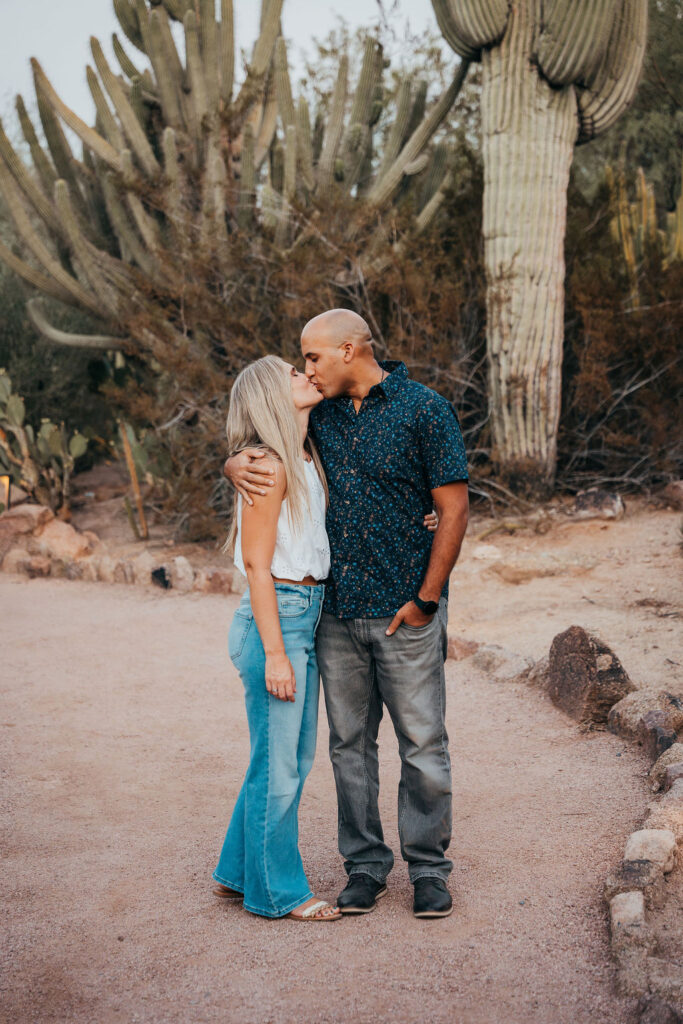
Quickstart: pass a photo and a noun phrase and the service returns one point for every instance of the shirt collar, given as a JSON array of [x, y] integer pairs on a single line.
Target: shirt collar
[[397, 376]]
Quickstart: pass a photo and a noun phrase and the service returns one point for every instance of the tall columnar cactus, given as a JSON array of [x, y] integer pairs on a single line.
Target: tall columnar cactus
[[172, 174], [554, 73]]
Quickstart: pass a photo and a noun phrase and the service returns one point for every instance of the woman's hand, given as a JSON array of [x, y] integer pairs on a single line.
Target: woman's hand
[[245, 474], [431, 521], [280, 678]]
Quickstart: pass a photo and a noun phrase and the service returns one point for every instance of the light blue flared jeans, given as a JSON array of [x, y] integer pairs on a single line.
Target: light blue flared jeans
[[260, 855]]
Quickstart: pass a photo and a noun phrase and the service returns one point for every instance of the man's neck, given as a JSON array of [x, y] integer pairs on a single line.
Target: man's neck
[[365, 379]]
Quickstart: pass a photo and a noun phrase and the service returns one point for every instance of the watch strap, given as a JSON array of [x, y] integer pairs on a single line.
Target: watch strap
[[426, 607]]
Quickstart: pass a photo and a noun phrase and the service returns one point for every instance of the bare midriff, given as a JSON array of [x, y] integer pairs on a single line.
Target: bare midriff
[[307, 581]]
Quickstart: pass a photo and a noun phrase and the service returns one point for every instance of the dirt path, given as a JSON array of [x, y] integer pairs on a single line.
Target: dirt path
[[124, 744]]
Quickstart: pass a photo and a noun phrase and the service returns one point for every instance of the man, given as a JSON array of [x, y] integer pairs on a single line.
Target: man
[[392, 450]]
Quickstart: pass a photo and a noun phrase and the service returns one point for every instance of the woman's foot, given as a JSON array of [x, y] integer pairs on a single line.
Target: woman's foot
[[227, 894], [315, 910]]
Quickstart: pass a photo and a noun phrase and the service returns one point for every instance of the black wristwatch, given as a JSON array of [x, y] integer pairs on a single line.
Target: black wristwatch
[[426, 607]]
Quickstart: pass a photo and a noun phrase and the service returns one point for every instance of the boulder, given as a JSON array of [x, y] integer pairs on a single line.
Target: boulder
[[673, 494], [585, 678], [499, 662], [650, 717], [537, 674], [37, 566], [598, 504], [627, 920], [21, 521], [667, 812], [182, 575], [142, 567], [637, 874], [459, 647], [670, 757], [214, 581], [657, 845], [653, 1010], [60, 540], [672, 774], [105, 567], [15, 560]]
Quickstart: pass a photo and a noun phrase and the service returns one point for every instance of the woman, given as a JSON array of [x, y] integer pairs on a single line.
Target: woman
[[281, 546]]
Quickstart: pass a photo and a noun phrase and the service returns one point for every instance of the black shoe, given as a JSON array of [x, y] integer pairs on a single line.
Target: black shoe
[[360, 894], [432, 898]]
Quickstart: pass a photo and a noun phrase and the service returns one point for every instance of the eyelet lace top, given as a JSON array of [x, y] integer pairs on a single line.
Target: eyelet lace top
[[297, 553]]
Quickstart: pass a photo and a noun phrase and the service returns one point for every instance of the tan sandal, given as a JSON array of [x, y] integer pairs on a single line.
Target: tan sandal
[[312, 913], [227, 894]]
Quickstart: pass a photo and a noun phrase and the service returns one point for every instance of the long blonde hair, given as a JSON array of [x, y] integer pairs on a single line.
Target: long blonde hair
[[262, 415]]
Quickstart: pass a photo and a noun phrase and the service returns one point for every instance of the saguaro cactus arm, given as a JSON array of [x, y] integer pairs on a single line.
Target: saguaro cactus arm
[[106, 342]]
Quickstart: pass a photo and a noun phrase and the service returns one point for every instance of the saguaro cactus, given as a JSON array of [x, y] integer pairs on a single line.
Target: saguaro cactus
[[554, 73]]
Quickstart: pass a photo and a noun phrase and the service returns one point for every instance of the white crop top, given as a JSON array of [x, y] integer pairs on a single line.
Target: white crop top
[[297, 554]]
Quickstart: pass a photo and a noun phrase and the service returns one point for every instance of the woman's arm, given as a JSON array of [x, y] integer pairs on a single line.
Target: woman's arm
[[259, 532]]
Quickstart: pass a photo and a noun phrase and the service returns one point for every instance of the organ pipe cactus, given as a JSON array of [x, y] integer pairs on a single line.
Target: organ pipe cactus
[[554, 73], [172, 174]]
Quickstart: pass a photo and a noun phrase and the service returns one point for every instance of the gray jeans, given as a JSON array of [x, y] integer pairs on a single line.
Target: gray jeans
[[363, 669]]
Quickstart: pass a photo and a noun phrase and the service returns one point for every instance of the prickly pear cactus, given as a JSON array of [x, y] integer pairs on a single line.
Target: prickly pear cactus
[[39, 461], [554, 73]]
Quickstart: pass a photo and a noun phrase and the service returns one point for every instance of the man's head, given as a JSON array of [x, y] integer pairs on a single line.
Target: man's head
[[336, 346]]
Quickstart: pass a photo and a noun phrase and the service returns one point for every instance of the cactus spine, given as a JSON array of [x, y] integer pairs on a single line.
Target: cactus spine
[[553, 74]]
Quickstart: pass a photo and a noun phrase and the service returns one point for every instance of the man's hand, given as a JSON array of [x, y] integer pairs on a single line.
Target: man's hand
[[280, 678], [411, 615], [245, 474]]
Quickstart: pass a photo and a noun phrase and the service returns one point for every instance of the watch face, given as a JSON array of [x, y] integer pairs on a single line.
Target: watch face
[[427, 607]]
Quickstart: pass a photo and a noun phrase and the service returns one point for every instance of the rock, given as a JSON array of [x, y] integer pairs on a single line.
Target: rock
[[671, 756], [627, 920], [585, 678], [632, 718], [537, 674], [655, 733], [672, 774], [59, 540], [182, 575], [499, 662], [21, 520], [598, 504], [486, 551], [656, 845], [668, 811], [673, 494], [460, 648], [142, 566], [654, 1010], [214, 581], [68, 569], [105, 567], [15, 560], [37, 566], [637, 874], [522, 570]]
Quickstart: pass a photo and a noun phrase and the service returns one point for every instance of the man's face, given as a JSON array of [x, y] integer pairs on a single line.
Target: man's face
[[325, 367]]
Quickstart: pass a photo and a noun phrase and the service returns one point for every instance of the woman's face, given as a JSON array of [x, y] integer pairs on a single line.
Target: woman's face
[[305, 394]]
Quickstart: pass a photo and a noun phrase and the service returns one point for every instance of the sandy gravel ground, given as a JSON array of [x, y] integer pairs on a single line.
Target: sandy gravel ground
[[123, 748]]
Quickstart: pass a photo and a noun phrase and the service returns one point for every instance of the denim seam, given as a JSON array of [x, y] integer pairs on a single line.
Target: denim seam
[[265, 829], [283, 910], [226, 881]]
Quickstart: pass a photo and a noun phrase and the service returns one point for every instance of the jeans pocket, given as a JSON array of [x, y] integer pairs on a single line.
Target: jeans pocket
[[291, 606], [419, 629], [239, 630]]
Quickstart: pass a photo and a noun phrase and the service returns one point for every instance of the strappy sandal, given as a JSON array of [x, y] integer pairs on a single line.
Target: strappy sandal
[[227, 894], [309, 914]]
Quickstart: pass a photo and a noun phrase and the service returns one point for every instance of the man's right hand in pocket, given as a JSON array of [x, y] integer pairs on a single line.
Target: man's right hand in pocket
[[246, 475]]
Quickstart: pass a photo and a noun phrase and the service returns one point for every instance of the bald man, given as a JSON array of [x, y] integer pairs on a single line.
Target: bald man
[[392, 450]]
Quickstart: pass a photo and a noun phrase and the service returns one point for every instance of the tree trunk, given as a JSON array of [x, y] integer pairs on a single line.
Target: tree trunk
[[529, 130]]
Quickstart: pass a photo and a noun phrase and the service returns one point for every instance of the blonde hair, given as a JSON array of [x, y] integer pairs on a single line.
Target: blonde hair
[[262, 415]]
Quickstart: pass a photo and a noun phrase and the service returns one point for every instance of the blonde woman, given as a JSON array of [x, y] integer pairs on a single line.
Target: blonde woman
[[280, 544]]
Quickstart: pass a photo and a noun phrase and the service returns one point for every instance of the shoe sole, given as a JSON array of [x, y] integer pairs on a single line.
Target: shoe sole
[[365, 910], [433, 913]]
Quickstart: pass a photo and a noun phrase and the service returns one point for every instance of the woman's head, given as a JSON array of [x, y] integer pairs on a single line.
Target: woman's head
[[264, 402]]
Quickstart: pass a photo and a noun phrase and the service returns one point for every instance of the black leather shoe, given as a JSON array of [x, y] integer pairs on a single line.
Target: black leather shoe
[[360, 894], [432, 898]]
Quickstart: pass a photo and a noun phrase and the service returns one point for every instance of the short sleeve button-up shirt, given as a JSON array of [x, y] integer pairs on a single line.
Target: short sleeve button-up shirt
[[382, 463]]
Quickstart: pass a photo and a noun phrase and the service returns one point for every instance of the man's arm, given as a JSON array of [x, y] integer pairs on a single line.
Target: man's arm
[[452, 505], [246, 475]]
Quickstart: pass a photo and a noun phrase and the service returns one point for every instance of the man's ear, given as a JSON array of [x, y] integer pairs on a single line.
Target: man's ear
[[348, 350]]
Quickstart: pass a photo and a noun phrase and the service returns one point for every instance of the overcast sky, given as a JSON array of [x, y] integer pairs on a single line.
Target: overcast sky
[[57, 33]]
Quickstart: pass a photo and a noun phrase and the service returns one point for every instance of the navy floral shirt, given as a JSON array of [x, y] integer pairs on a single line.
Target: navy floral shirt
[[382, 464]]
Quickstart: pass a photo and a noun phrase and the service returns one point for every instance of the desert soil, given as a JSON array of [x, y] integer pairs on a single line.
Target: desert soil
[[124, 745]]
